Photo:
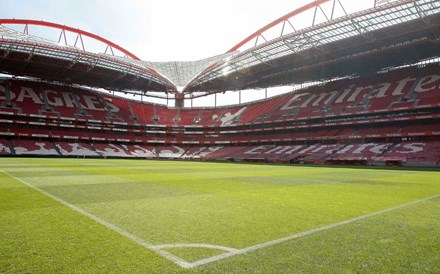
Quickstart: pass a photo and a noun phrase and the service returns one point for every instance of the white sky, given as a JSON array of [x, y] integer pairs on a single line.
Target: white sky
[[162, 30]]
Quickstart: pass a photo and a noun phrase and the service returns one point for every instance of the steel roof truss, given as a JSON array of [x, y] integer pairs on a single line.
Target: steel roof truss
[[362, 24], [79, 37], [263, 58], [362, 30], [284, 24], [421, 13], [301, 43]]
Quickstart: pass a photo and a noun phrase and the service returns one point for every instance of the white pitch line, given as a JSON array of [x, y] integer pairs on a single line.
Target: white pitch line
[[111, 226], [219, 247], [304, 233]]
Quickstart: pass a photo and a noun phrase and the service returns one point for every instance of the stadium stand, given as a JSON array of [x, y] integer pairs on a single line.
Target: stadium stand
[[76, 149], [110, 150], [364, 120], [31, 147], [5, 147], [170, 152], [415, 153], [140, 151], [365, 95], [199, 152]]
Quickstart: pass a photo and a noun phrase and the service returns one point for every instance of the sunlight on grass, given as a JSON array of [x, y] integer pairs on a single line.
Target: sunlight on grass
[[231, 205]]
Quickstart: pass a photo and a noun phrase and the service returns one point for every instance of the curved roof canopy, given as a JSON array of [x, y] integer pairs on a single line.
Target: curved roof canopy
[[322, 50], [365, 32], [182, 72], [28, 55]]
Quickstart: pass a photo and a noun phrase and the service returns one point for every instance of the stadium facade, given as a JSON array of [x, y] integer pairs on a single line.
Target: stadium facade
[[370, 93]]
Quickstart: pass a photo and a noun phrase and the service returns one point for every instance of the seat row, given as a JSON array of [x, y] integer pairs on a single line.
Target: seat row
[[427, 153], [403, 89]]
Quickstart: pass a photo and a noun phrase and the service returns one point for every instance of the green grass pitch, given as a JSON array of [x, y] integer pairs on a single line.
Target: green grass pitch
[[135, 216]]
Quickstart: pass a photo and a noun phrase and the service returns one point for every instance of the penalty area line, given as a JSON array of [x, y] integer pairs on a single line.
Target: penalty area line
[[304, 233], [120, 231]]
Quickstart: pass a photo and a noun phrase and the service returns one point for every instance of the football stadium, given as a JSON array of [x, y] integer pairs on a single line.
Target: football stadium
[[311, 146]]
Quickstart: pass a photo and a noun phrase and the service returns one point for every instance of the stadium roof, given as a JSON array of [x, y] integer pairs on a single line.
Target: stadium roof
[[336, 46], [28, 55], [181, 73], [371, 26]]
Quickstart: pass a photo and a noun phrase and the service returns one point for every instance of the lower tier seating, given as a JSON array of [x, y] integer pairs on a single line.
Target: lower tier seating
[[111, 150], [5, 147], [140, 151], [425, 153], [415, 153], [75, 149], [173, 152], [29, 147]]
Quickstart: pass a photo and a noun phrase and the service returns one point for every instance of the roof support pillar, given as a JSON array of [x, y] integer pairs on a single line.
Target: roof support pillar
[[8, 92]]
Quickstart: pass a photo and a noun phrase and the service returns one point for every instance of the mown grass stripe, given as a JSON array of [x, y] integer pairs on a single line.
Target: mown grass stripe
[[304, 233], [111, 226], [188, 263]]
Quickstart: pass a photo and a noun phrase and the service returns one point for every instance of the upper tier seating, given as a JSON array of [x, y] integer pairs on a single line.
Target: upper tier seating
[[164, 115], [123, 113], [189, 117], [427, 88], [144, 112], [393, 89], [26, 96], [399, 89], [38, 98]]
